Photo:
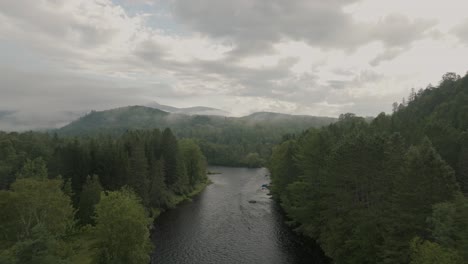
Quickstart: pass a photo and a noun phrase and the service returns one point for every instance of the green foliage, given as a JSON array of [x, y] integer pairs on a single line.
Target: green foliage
[[37, 221], [195, 163], [282, 166], [41, 202], [169, 154], [449, 226], [89, 197], [364, 190], [41, 248], [121, 232], [426, 252], [36, 216], [253, 160], [33, 169]]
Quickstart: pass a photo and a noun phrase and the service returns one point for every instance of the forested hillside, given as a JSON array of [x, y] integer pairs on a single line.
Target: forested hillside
[[53, 206], [244, 141], [389, 191]]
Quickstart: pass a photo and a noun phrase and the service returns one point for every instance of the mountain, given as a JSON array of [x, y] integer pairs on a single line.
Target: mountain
[[196, 110], [118, 120], [232, 141]]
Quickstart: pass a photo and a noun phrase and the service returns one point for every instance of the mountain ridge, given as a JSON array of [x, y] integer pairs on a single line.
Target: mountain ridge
[[193, 110], [118, 120]]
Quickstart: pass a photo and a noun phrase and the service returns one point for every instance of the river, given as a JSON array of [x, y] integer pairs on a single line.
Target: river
[[221, 226]]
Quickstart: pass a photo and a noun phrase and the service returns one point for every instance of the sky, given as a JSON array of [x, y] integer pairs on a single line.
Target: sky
[[60, 59]]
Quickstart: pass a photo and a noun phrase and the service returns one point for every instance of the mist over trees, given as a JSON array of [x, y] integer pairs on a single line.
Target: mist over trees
[[228, 141], [389, 191]]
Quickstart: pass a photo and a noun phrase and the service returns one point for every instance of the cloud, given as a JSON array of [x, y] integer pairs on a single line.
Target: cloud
[[387, 55], [396, 30], [358, 81], [255, 26], [298, 56], [461, 31]]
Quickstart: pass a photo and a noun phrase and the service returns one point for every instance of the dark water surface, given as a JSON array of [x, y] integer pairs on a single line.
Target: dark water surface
[[221, 226]]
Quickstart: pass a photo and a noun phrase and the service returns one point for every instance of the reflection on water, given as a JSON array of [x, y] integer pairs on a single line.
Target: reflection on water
[[222, 226]]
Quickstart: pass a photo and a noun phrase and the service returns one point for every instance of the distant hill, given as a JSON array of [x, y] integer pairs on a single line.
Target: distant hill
[[118, 120], [196, 110], [278, 117], [233, 141]]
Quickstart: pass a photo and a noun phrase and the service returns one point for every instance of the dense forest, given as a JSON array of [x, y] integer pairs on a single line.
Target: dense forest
[[229, 141], [387, 190], [70, 200], [392, 190]]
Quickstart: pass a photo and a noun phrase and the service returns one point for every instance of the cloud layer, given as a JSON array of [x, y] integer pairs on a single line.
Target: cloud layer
[[300, 56]]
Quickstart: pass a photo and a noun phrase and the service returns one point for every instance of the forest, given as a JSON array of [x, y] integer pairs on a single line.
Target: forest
[[392, 190], [73, 200], [228, 141]]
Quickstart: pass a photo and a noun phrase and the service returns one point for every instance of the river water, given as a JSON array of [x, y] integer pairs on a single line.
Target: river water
[[221, 226]]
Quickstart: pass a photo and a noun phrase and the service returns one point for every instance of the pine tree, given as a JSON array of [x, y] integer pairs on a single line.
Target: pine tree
[[138, 171], [89, 197], [426, 179], [170, 154], [462, 165], [194, 160], [158, 193]]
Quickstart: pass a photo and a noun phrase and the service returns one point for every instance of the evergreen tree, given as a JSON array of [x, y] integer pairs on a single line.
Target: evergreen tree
[[462, 164], [425, 180], [170, 154], [158, 192], [194, 160], [138, 174], [89, 197]]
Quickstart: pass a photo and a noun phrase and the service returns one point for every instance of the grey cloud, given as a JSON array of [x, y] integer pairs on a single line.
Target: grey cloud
[[387, 55], [461, 31], [90, 35], [149, 51], [338, 84], [233, 79], [254, 26], [359, 80], [275, 82], [47, 20], [397, 30], [343, 72]]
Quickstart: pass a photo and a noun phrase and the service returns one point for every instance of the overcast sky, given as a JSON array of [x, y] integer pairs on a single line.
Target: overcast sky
[[61, 57]]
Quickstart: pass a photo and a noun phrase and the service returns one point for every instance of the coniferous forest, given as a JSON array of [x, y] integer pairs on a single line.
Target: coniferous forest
[[392, 190], [67, 200]]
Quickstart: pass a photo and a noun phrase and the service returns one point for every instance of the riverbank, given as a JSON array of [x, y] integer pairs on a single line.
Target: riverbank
[[84, 242], [188, 197]]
